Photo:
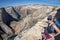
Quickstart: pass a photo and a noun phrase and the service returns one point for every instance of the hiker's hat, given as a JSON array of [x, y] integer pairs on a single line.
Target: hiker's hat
[[49, 17]]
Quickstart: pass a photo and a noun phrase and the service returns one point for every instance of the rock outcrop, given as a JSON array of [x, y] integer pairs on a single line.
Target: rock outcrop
[[34, 33]]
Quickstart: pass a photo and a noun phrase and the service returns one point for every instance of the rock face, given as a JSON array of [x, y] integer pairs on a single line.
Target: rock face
[[6, 28], [34, 33], [27, 21], [6, 18]]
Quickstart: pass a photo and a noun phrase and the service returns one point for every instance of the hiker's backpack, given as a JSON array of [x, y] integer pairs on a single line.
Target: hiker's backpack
[[57, 23]]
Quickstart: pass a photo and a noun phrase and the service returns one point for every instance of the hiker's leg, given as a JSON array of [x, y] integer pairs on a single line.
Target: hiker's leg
[[52, 37], [48, 39]]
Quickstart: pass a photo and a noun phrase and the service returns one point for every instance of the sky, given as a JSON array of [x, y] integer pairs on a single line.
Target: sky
[[6, 3]]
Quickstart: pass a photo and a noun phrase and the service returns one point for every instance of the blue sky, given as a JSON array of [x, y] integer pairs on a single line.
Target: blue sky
[[6, 3]]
